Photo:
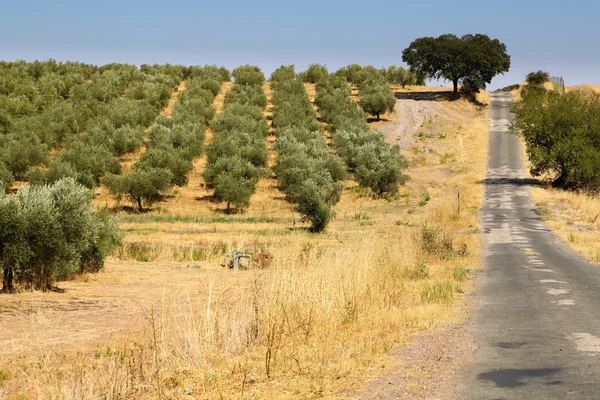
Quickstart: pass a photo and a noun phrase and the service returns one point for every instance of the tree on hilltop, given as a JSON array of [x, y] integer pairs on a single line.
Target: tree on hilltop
[[473, 58]]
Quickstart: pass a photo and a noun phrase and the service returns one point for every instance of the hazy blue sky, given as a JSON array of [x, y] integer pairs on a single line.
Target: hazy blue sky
[[560, 37]]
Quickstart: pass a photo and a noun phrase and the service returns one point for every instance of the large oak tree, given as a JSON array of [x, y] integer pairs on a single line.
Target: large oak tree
[[473, 59]]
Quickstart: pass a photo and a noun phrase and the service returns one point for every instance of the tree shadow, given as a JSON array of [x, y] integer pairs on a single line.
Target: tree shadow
[[446, 95], [512, 378], [372, 119], [300, 229], [530, 182], [207, 197], [129, 209], [428, 96]]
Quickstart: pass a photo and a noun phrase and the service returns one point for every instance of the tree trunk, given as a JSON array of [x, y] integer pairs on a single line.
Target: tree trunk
[[455, 83], [7, 281], [377, 116], [139, 203]]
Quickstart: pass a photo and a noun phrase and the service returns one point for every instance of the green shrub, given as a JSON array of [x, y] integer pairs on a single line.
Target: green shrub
[[194, 110], [380, 168], [312, 206], [350, 73], [141, 186], [230, 120], [437, 293], [561, 132], [234, 181], [283, 73], [186, 138], [166, 157], [119, 141], [537, 78], [248, 75], [248, 95], [376, 98], [315, 73], [6, 178], [224, 74], [51, 233], [18, 154]]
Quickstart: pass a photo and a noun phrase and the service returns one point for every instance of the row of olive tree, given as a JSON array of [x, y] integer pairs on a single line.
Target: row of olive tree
[[306, 172], [173, 143], [355, 74], [51, 233], [238, 154], [45, 105], [376, 165], [561, 132], [116, 130]]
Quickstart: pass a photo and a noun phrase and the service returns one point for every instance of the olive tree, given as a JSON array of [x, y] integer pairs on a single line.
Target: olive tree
[[315, 73], [143, 186], [248, 75], [51, 233], [376, 98]]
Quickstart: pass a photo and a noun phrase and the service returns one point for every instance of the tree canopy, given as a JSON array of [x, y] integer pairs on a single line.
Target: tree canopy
[[474, 59]]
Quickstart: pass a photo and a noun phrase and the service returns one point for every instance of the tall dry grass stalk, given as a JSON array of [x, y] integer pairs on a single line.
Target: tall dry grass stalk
[[320, 318]]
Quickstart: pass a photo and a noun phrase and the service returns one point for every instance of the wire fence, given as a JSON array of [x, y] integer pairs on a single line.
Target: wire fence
[[559, 82]]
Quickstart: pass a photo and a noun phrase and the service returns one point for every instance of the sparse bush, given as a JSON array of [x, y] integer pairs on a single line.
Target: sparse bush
[[537, 78]]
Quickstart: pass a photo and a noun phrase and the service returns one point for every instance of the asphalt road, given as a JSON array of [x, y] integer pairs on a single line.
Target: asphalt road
[[537, 330]]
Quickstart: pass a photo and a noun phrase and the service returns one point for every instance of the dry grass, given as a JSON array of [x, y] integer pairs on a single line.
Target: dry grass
[[595, 88], [573, 216], [319, 316]]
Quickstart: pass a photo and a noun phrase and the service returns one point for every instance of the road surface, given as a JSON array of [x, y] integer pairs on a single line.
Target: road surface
[[538, 327]]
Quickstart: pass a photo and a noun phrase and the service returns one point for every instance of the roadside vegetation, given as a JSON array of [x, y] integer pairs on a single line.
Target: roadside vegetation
[[560, 134]]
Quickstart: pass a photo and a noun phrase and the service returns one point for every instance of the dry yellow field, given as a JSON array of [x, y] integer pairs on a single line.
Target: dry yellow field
[[318, 313]]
